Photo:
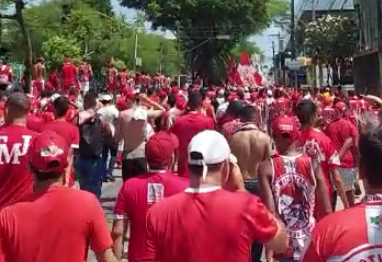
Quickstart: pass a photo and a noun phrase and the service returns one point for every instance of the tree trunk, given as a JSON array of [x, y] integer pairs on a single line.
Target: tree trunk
[[335, 75], [320, 75], [28, 46]]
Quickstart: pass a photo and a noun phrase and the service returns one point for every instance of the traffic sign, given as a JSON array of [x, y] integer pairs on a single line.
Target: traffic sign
[[138, 61], [294, 65]]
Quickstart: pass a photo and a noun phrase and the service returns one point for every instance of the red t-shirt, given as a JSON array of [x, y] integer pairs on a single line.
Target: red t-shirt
[[15, 178], [207, 224], [185, 128], [69, 74], [327, 156], [69, 132], [34, 122], [350, 235], [338, 131], [63, 220], [136, 196]]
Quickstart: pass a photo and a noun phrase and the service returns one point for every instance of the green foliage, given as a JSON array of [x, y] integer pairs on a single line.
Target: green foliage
[[97, 36], [196, 23], [102, 6], [331, 37], [56, 48], [245, 46]]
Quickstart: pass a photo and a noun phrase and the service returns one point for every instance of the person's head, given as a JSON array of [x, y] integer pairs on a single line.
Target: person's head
[[171, 100], [40, 60], [248, 114], [306, 112], [341, 109], [46, 93], [17, 107], [234, 108], [370, 148], [160, 150], [61, 106], [208, 154], [90, 101], [106, 99], [285, 132], [195, 101], [48, 157], [73, 91]]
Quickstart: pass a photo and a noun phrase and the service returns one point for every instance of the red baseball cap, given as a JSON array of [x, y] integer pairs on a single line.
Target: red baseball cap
[[160, 147], [341, 106], [285, 125], [49, 152]]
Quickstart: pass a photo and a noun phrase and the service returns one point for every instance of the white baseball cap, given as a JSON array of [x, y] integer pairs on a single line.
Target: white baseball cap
[[212, 146], [105, 97]]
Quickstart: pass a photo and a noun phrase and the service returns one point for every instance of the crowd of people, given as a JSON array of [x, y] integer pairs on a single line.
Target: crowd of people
[[210, 174]]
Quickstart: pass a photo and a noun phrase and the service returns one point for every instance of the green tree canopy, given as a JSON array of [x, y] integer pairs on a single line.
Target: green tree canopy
[[97, 37], [200, 24]]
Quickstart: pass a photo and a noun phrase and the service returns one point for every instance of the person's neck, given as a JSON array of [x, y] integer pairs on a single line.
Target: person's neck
[[44, 185], [18, 122], [199, 182], [291, 151], [62, 118]]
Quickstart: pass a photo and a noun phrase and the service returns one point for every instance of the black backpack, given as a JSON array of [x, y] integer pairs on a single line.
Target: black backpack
[[91, 137]]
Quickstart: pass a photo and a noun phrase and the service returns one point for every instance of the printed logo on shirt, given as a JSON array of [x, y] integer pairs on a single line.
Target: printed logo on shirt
[[364, 253], [296, 213], [12, 155], [155, 192]]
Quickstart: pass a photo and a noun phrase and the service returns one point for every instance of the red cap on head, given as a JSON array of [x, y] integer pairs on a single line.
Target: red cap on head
[[121, 103], [129, 94], [175, 90], [341, 106], [160, 147], [285, 125], [49, 153]]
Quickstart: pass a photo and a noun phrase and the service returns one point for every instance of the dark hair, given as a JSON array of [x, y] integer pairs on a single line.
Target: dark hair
[[90, 100], [234, 108], [198, 170], [227, 94], [61, 106], [241, 95], [73, 91], [171, 100], [194, 100], [370, 147], [305, 110], [45, 176], [18, 104], [247, 113], [46, 93]]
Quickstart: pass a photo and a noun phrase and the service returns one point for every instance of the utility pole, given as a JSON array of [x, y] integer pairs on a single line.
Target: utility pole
[[274, 63], [136, 49], [160, 57], [314, 65], [293, 39], [179, 56]]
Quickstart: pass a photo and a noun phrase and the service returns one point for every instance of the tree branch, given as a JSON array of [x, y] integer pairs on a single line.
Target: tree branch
[[11, 17]]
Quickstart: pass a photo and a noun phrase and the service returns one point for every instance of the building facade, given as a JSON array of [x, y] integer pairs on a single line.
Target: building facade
[[367, 62]]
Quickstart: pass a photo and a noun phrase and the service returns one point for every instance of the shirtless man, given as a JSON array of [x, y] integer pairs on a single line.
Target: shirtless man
[[131, 126], [111, 77], [38, 77], [250, 146], [85, 74]]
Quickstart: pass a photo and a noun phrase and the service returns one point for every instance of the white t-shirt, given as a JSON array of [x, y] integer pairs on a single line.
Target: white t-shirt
[[109, 114]]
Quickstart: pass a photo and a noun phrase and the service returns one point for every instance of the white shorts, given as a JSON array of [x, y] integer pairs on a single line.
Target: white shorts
[[85, 86]]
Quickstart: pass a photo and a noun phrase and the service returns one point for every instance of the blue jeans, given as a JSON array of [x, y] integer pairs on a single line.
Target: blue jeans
[[252, 186], [90, 174], [109, 167]]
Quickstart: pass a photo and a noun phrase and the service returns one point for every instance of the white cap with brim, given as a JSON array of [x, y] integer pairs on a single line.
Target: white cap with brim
[[212, 146], [105, 98]]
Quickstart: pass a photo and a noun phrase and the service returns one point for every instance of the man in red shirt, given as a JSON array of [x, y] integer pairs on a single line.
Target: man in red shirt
[[15, 138], [137, 195], [354, 234], [65, 129], [326, 153], [291, 185], [205, 222], [69, 74], [65, 221], [345, 138], [187, 126]]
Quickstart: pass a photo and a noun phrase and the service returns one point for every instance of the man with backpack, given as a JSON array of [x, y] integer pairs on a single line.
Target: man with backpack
[[94, 134]]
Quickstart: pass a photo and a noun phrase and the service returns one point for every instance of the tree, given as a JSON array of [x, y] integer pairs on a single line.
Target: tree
[[102, 6], [197, 25], [18, 16], [330, 40], [56, 48], [97, 37]]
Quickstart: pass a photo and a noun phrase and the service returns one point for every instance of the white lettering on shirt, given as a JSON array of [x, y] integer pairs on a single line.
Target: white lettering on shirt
[[17, 150], [155, 192]]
